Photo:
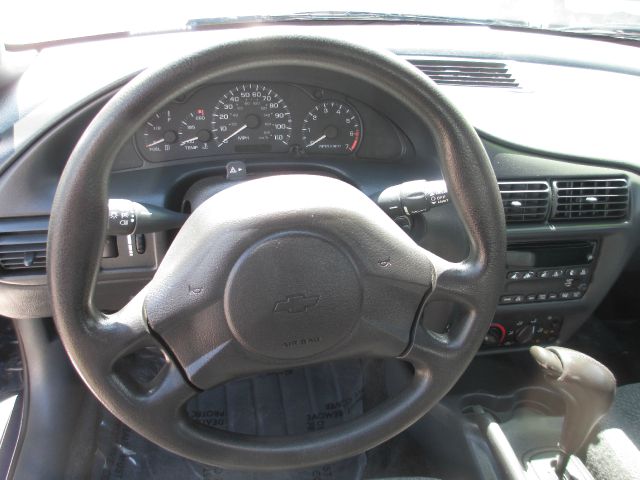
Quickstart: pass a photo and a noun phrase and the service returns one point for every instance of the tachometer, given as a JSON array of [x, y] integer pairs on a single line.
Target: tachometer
[[332, 127], [251, 118]]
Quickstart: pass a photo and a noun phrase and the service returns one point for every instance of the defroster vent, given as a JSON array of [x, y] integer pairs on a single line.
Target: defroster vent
[[467, 73]]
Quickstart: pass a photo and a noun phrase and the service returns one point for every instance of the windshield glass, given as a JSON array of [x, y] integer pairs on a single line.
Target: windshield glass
[[47, 20]]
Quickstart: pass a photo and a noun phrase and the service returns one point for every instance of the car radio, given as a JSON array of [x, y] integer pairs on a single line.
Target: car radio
[[548, 272]]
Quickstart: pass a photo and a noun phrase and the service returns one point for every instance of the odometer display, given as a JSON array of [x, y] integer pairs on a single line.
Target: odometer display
[[251, 117]]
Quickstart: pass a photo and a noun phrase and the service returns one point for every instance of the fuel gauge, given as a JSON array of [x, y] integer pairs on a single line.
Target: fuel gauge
[[159, 136]]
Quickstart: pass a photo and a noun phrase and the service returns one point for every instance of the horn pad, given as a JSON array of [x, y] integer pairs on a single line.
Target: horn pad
[[293, 296]]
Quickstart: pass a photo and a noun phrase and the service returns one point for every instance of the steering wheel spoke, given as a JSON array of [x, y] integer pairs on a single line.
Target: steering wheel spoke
[[455, 281], [124, 331], [461, 283], [166, 395]]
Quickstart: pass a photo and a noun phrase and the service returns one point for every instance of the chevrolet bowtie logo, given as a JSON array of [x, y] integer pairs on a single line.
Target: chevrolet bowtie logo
[[296, 304]]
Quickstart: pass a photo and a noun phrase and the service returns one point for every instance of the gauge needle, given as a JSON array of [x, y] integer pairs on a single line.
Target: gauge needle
[[233, 135], [317, 140], [157, 142], [189, 140]]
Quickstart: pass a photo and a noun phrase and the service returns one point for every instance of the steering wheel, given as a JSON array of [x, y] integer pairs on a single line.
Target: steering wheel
[[277, 272]]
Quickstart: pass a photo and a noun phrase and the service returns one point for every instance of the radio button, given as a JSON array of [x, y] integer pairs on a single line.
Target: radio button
[[553, 296], [565, 295], [572, 272], [514, 275], [576, 294], [583, 272], [505, 299], [545, 273], [528, 275], [542, 297], [531, 297], [557, 273]]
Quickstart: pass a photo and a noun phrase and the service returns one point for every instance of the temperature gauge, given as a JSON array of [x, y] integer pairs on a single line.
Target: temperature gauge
[[194, 133]]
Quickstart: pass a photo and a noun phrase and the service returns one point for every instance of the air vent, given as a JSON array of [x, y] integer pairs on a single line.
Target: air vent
[[525, 202], [584, 200], [467, 73], [23, 252]]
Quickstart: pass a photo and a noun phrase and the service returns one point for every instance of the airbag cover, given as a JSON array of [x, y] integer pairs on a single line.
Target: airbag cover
[[292, 296]]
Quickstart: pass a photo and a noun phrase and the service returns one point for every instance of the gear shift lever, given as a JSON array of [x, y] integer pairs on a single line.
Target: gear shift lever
[[587, 387]]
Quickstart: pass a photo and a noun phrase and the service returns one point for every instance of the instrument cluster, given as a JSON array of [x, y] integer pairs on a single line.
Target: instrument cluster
[[252, 117]]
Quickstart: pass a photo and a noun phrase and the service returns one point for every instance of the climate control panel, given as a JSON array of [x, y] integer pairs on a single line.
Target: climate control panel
[[523, 330]]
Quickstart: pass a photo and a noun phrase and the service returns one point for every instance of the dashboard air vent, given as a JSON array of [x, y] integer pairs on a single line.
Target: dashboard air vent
[[23, 252], [467, 73], [525, 202], [584, 200]]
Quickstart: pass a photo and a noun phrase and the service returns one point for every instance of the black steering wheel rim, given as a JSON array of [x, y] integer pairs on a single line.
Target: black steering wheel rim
[[78, 225]]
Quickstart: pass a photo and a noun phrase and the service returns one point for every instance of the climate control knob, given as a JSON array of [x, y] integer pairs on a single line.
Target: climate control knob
[[525, 334], [495, 336]]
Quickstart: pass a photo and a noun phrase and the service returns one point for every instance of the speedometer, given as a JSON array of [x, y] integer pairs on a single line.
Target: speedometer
[[251, 117]]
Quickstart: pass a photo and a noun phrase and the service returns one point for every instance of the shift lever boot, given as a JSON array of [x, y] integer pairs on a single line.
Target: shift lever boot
[[587, 387]]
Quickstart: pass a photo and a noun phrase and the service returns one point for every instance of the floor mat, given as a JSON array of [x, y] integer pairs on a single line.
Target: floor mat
[[290, 402], [612, 334], [615, 343]]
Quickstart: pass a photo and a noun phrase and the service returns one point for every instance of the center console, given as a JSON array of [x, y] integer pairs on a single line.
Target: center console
[[542, 273]]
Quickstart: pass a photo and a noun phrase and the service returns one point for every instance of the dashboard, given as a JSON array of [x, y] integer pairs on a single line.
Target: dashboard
[[567, 245], [254, 118]]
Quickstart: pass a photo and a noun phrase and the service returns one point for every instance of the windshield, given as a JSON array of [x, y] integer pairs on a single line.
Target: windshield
[[48, 20]]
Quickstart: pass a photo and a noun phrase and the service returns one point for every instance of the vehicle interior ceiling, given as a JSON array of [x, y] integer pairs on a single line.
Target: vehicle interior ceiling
[[557, 117]]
